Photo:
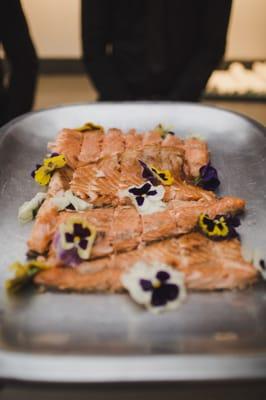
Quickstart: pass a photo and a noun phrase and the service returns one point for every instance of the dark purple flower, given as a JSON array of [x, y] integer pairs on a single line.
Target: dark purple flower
[[162, 292], [208, 177], [140, 193], [148, 174]]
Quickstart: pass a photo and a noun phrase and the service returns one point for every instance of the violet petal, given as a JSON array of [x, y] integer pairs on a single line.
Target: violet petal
[[146, 285], [162, 276]]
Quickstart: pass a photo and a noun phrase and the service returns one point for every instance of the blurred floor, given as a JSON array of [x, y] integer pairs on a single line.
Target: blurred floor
[[62, 89]]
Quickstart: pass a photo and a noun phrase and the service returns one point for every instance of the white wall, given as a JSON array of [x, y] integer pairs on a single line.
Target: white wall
[[55, 28]]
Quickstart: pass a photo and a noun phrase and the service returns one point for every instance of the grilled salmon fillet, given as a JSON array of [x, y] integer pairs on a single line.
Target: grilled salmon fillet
[[133, 228], [100, 165], [206, 265]]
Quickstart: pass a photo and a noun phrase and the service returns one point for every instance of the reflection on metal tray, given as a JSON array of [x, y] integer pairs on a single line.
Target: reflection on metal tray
[[97, 337]]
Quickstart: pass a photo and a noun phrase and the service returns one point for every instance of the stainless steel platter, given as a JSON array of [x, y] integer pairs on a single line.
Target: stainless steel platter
[[106, 338]]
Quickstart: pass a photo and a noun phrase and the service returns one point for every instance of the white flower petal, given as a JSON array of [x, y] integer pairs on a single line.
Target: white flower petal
[[255, 257], [151, 204], [62, 201], [26, 210], [141, 270]]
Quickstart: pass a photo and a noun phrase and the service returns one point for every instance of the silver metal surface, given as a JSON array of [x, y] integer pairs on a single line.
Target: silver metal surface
[[92, 338]]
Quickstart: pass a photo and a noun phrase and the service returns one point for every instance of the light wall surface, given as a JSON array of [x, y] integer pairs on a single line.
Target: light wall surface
[[55, 28]]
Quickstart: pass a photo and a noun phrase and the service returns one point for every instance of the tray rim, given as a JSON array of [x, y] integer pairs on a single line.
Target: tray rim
[[4, 128], [126, 369]]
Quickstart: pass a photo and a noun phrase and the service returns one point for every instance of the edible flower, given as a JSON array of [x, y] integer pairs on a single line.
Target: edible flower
[[43, 172], [89, 126], [156, 176], [24, 274], [208, 177], [146, 198], [219, 228], [158, 287], [255, 257], [163, 131], [67, 200], [262, 268], [28, 210], [74, 241]]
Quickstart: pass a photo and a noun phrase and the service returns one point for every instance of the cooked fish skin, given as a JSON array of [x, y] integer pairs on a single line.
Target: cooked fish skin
[[206, 265]]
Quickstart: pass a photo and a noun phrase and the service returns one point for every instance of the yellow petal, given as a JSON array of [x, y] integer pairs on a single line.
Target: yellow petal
[[167, 178], [42, 176], [89, 126], [55, 162]]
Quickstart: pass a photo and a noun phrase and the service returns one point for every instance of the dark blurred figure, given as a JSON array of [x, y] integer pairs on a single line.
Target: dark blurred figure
[[153, 49], [17, 94]]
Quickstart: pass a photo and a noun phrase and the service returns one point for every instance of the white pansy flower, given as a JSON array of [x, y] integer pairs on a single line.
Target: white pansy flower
[[65, 199], [27, 210], [255, 257], [147, 198], [156, 286]]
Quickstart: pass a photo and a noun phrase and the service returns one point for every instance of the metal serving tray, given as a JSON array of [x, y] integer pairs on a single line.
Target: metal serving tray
[[102, 338]]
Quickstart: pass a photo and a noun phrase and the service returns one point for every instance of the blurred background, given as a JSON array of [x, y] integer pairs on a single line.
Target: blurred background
[[239, 84]]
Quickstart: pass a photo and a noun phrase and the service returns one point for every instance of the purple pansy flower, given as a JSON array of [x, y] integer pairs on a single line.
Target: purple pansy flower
[[148, 174], [73, 242], [156, 286], [208, 177]]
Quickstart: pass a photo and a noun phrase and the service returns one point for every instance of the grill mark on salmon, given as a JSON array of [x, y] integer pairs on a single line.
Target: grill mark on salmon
[[206, 265]]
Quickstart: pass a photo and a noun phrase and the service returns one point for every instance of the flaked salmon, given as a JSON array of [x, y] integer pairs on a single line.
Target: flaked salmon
[[206, 265], [178, 218]]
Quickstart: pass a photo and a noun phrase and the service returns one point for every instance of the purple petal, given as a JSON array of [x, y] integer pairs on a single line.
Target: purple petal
[[69, 257], [146, 173], [140, 200], [152, 193], [80, 231], [159, 297], [172, 291], [208, 177], [140, 191], [146, 285], [162, 276], [212, 184], [54, 155], [69, 237], [163, 294], [83, 243], [262, 264]]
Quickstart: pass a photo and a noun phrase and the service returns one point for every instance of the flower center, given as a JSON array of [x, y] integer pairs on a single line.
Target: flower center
[[156, 283], [76, 239]]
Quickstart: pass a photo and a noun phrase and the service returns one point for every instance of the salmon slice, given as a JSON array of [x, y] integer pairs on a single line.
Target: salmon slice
[[133, 140], [113, 143], [180, 217], [206, 265], [196, 155], [60, 181], [151, 138], [68, 142], [99, 184], [126, 229], [44, 227], [91, 147]]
